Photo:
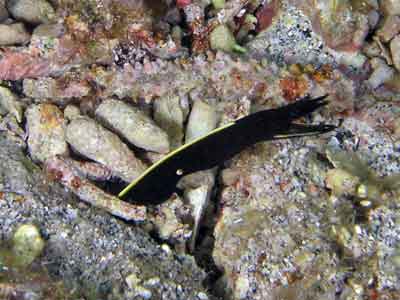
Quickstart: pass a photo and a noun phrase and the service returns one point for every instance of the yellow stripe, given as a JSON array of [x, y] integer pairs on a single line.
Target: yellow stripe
[[172, 153], [289, 135]]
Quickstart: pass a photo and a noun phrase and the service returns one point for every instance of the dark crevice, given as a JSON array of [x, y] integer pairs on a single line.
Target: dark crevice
[[205, 244]]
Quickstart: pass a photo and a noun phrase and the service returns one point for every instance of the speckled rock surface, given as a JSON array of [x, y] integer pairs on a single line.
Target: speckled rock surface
[[170, 115], [93, 141], [286, 38], [313, 218], [51, 90], [97, 267], [45, 125], [133, 125], [280, 227]]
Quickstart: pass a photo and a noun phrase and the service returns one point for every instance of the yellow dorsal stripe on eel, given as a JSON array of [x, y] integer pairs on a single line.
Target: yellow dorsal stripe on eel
[[172, 153]]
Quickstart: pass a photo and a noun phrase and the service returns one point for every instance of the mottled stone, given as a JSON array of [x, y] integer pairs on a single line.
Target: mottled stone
[[390, 7], [47, 32], [202, 119], [45, 126], [170, 220], [198, 199], [71, 112], [9, 104], [14, 34], [3, 11], [58, 91], [31, 11], [288, 37], [93, 141], [382, 73], [133, 125], [68, 174], [170, 116], [28, 244], [342, 24], [395, 51], [89, 251], [390, 27]]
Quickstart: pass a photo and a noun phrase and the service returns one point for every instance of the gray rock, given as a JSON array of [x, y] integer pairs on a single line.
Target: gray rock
[[69, 173], [50, 90], [9, 104], [87, 250], [9, 125], [277, 219], [198, 199], [285, 41], [45, 125], [3, 11], [93, 141], [170, 116], [53, 30], [133, 125], [391, 7], [170, 220], [31, 11], [14, 34], [28, 244], [202, 119], [395, 51], [390, 27], [382, 73], [71, 112]]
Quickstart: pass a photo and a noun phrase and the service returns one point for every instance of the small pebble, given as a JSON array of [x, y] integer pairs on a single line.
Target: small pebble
[[132, 281], [391, 7], [390, 27], [31, 11], [27, 244], [170, 116], [221, 38], [143, 292], [166, 249], [71, 112], [3, 11], [203, 119], [133, 125], [198, 198], [93, 141], [202, 296], [9, 104], [395, 50], [45, 125], [382, 73], [14, 34]]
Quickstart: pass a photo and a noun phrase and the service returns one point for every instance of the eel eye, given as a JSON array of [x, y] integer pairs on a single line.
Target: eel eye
[[179, 172]]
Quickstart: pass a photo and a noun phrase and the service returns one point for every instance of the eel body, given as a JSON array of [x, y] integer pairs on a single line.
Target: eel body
[[159, 181]]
